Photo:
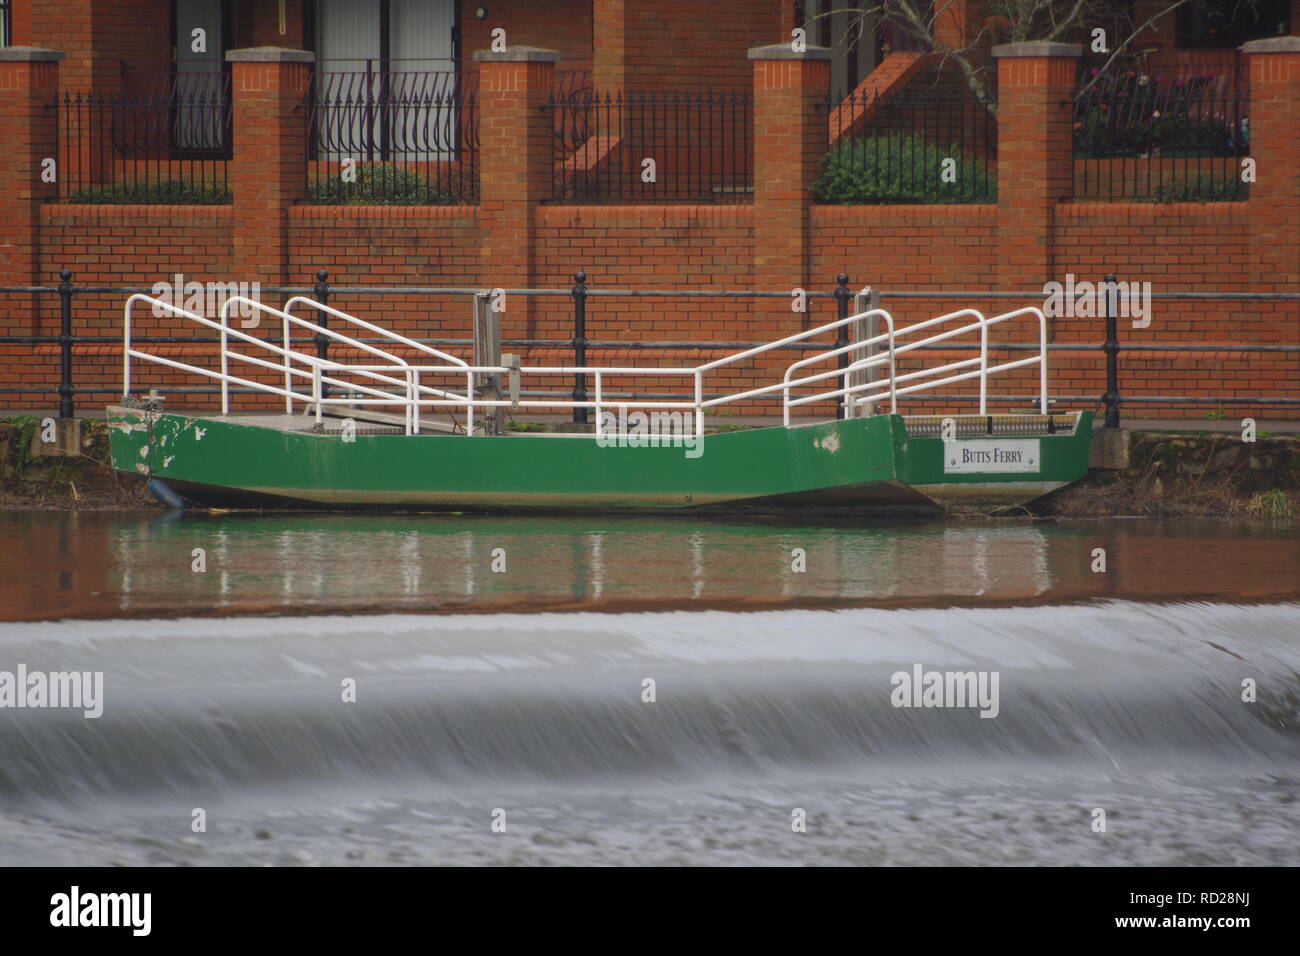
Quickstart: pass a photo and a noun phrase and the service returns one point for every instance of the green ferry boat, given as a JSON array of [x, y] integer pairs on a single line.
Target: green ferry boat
[[420, 429]]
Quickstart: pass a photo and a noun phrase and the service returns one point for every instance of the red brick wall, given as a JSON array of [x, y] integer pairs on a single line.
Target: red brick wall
[[258, 24], [64, 25], [926, 247], [660, 247], [433, 246], [1201, 248], [672, 44], [563, 25], [113, 245], [97, 36], [898, 248], [28, 132], [138, 32], [904, 248], [142, 245]]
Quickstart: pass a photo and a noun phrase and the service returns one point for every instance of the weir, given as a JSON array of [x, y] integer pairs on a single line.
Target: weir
[[470, 701]]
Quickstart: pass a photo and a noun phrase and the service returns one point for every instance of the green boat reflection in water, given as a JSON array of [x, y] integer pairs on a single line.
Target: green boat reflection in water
[[96, 564]]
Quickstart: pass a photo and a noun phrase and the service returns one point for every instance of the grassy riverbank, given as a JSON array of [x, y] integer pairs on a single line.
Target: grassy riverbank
[[1188, 474], [1167, 474], [81, 482]]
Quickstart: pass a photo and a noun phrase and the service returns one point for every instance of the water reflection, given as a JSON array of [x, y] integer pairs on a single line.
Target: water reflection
[[105, 565]]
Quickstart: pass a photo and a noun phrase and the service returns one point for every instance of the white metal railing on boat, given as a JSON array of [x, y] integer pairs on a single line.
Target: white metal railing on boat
[[983, 370], [393, 380]]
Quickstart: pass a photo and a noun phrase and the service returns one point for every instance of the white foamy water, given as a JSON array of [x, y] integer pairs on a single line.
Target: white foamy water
[[1132, 708]]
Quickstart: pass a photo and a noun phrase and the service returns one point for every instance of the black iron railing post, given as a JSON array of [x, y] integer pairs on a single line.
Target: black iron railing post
[[65, 344], [323, 320], [579, 294], [842, 297], [1111, 348]]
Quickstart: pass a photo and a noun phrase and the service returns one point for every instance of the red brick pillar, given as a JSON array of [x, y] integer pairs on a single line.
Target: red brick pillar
[[790, 140], [29, 78], [268, 170], [514, 168], [1035, 155], [1274, 66]]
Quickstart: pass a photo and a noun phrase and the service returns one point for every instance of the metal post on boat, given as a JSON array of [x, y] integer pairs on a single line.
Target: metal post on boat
[[865, 330], [65, 344], [322, 341], [579, 294], [1111, 348], [487, 353], [842, 297]]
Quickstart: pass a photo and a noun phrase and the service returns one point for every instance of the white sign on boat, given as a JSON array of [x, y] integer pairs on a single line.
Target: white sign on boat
[[991, 456]]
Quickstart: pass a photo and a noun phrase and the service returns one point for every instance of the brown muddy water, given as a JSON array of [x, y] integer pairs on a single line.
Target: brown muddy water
[[648, 691], [102, 564]]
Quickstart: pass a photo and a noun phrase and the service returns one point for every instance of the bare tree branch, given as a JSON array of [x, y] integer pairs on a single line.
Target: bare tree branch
[[1026, 20]]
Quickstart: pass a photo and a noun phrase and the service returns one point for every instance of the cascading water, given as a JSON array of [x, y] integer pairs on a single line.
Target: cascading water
[[547, 718]]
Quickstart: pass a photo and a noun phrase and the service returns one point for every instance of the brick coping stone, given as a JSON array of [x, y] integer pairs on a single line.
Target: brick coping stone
[[517, 54], [1272, 45], [30, 54], [1038, 48], [270, 54], [783, 51]]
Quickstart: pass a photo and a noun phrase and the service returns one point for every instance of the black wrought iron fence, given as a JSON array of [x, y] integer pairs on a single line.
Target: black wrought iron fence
[[571, 105], [655, 146], [392, 136], [1107, 329], [1161, 134], [925, 143], [163, 138]]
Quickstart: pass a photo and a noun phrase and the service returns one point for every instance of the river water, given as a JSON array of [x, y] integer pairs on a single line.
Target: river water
[[649, 691]]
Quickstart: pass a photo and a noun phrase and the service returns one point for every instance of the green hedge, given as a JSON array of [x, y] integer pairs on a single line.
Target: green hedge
[[169, 192], [1204, 188], [900, 169], [379, 184]]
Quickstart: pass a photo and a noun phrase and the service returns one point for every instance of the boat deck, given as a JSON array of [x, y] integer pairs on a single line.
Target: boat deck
[[368, 422], [306, 424]]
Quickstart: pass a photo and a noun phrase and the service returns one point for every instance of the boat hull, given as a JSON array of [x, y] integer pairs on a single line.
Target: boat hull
[[857, 464]]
